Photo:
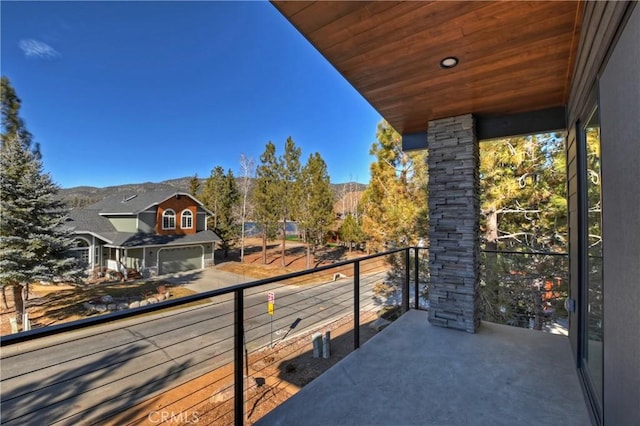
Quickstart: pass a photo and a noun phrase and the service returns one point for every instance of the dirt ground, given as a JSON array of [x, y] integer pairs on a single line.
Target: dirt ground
[[295, 258], [56, 304], [274, 374]]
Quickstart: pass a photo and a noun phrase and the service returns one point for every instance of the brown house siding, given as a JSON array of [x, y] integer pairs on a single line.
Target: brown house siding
[[177, 203]]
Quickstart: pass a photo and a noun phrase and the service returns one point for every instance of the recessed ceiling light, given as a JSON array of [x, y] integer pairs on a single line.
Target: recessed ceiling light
[[448, 62]]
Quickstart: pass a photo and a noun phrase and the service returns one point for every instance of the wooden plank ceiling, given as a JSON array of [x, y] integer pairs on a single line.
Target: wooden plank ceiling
[[514, 56]]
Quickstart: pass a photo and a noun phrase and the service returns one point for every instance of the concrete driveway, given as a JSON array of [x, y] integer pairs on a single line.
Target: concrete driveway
[[205, 279]]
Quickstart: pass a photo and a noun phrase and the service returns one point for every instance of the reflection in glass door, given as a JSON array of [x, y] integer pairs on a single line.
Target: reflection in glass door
[[592, 341]]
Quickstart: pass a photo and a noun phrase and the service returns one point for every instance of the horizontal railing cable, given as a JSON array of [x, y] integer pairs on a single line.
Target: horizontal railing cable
[[198, 340], [133, 390], [110, 348], [142, 370], [221, 379], [164, 316], [535, 253], [102, 319]]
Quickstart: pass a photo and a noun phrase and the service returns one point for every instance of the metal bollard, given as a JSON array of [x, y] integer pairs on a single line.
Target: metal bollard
[[326, 345], [317, 344], [26, 324]]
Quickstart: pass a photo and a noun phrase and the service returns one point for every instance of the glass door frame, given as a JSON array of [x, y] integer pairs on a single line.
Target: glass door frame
[[594, 395]]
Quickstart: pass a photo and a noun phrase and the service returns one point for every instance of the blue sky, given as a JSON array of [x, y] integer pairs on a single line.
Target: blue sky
[[127, 92]]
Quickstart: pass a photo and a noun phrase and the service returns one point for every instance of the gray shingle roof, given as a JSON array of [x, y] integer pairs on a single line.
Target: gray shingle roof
[[126, 239], [134, 203], [89, 220]]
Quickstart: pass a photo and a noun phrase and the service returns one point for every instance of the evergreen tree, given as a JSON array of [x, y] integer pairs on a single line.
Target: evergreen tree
[[523, 208], [316, 208], [268, 195], [291, 195], [221, 196], [227, 225], [34, 244], [523, 196], [394, 204], [212, 195], [194, 185], [12, 124], [350, 231]]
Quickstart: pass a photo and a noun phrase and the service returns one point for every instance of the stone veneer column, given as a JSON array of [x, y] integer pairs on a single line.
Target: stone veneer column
[[453, 229]]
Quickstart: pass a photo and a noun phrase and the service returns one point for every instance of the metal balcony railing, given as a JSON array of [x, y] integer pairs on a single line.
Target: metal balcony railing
[[178, 362], [525, 289]]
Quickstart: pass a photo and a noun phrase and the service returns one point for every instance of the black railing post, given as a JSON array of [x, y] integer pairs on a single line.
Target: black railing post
[[416, 271], [238, 338], [405, 285], [356, 305]]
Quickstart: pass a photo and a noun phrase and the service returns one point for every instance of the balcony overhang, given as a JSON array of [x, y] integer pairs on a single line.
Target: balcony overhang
[[513, 57], [413, 373], [493, 127]]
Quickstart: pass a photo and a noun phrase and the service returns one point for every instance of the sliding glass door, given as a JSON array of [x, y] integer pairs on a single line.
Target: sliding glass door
[[592, 337]]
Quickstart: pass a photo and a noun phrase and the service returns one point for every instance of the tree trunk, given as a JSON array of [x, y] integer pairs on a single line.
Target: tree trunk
[[538, 309], [308, 254], [4, 297], [242, 239], [264, 247], [284, 242], [18, 301]]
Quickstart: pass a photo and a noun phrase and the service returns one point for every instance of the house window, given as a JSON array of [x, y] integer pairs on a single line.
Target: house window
[[81, 251], [187, 219], [169, 219]]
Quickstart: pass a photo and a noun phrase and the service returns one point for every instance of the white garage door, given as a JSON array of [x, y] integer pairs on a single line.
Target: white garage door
[[180, 259]]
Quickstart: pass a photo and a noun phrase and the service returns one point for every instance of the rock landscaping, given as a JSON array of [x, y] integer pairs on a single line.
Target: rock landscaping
[[107, 303]]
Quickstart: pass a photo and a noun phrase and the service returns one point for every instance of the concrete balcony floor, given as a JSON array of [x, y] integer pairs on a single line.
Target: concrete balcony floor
[[414, 373]]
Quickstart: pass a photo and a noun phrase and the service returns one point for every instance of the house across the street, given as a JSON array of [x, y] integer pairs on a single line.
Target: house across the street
[[148, 233]]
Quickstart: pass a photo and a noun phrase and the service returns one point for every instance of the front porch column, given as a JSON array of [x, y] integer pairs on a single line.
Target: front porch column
[[453, 223]]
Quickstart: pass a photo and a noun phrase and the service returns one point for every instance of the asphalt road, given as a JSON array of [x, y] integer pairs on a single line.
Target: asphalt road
[[83, 377]]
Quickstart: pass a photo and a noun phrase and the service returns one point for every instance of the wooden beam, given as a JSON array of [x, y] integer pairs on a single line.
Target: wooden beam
[[526, 123]]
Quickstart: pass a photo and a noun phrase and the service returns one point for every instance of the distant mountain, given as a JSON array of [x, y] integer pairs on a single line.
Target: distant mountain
[[80, 196], [348, 187], [84, 195]]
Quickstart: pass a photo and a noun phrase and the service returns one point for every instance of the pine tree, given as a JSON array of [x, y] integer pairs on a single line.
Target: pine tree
[[212, 196], [194, 185], [268, 195], [290, 177], [523, 208], [227, 225], [34, 244], [315, 215], [394, 204], [350, 231], [221, 196], [12, 124], [523, 196]]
